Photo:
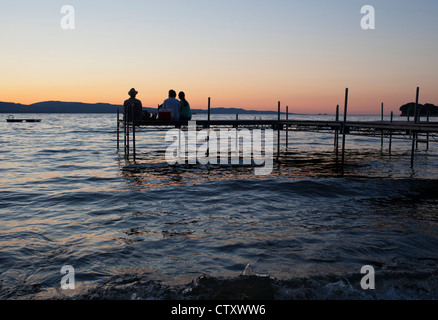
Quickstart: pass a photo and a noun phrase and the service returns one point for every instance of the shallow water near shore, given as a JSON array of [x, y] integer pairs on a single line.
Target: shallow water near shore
[[148, 230]]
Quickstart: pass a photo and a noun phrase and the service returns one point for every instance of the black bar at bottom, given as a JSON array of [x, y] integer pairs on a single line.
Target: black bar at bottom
[[214, 309]]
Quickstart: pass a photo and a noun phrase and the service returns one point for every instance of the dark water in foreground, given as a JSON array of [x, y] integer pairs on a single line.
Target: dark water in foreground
[[153, 231]]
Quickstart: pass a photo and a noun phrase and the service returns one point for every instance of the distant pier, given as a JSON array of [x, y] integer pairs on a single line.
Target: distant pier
[[13, 119]]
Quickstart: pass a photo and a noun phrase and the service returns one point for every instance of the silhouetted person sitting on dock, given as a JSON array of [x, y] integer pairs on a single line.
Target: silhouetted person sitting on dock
[[185, 113], [133, 107], [171, 105]]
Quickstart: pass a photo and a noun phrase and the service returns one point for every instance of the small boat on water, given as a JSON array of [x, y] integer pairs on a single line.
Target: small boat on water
[[12, 119]]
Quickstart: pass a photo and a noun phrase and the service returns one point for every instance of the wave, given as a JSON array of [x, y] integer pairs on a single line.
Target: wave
[[388, 286]]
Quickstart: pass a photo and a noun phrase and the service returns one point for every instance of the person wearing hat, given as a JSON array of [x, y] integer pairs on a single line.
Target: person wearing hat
[[133, 106]]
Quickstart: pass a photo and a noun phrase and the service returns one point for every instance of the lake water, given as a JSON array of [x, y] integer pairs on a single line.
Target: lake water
[[148, 230]]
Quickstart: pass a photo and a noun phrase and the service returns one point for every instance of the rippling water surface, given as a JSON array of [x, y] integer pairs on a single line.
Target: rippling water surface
[[147, 230]]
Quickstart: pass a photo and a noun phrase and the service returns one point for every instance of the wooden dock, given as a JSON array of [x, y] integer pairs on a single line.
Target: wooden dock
[[416, 131]]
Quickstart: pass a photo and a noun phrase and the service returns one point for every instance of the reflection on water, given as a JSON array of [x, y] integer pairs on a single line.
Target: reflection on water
[[151, 171], [151, 230]]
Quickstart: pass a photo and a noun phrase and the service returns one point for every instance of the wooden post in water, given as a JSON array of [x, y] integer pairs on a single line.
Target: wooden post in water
[[416, 105], [133, 136], [208, 124], [344, 125], [125, 112], [415, 134], [118, 130], [127, 129], [209, 111], [237, 135], [427, 142], [390, 134], [413, 147], [278, 131], [337, 133], [381, 143], [287, 127], [127, 142]]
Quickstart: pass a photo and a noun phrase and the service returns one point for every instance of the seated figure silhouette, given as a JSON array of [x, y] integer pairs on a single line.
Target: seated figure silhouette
[[171, 105], [185, 113], [133, 107]]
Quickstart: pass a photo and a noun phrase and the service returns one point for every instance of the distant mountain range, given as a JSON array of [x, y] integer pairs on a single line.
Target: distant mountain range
[[78, 107]]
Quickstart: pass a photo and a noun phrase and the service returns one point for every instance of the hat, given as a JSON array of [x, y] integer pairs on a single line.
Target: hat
[[132, 92]]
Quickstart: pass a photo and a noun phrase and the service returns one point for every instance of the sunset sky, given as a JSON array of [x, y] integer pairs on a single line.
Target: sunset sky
[[241, 53]]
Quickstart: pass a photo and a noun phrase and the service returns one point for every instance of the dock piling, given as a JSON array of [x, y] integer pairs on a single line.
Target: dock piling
[[414, 133], [428, 135], [416, 105], [209, 111], [390, 133], [337, 133], [278, 131], [208, 126], [127, 133], [344, 129], [413, 148], [133, 139], [382, 118], [118, 130], [124, 129], [287, 127]]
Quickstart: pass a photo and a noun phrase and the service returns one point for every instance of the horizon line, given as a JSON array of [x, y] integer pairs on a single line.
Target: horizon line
[[196, 108]]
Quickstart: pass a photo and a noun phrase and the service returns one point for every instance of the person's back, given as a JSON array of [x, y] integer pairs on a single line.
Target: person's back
[[172, 105], [185, 113], [134, 106]]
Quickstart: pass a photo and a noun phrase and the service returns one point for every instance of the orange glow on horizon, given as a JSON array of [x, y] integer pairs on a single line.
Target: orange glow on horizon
[[360, 102]]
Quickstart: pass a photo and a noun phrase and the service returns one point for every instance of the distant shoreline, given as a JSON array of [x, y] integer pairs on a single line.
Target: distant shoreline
[[102, 108], [59, 107]]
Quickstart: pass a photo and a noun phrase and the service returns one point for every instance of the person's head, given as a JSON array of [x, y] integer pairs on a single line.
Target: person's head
[[182, 96], [133, 93], [172, 94]]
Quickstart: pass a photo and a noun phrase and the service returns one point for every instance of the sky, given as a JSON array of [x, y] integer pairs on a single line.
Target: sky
[[242, 53]]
